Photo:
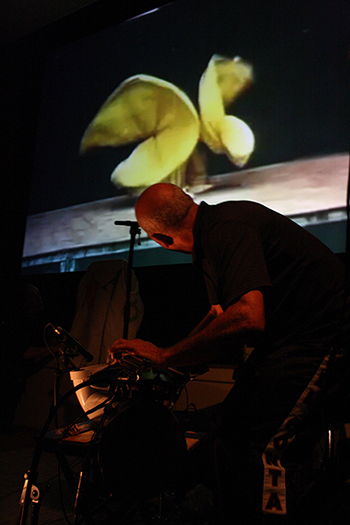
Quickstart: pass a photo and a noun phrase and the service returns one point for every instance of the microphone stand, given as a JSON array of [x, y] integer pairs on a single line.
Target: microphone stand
[[134, 230], [31, 493]]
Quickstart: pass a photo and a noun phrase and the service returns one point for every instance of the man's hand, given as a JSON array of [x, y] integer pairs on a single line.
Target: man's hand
[[137, 347]]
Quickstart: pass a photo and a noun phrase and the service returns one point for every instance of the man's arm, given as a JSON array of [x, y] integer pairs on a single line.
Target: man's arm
[[238, 324], [214, 311]]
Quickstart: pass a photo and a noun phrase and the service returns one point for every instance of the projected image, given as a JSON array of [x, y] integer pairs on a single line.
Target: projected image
[[238, 103], [163, 117]]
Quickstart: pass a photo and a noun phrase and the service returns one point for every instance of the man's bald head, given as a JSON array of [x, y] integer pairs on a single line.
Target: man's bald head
[[163, 208]]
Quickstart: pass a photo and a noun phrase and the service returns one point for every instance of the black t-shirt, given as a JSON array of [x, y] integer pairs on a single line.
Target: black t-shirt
[[242, 246]]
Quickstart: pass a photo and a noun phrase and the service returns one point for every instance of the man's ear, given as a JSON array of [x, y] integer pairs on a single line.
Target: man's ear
[[163, 240]]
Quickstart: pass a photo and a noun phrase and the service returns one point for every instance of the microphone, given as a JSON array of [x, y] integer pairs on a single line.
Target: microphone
[[69, 340], [134, 224]]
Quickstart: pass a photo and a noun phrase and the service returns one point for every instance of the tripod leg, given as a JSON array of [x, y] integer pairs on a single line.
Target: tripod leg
[[24, 501], [35, 496], [80, 508], [77, 488]]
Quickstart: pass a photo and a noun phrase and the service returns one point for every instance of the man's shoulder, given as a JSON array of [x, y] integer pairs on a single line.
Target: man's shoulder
[[231, 210]]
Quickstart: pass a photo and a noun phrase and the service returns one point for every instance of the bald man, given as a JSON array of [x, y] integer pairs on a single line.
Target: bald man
[[273, 288]]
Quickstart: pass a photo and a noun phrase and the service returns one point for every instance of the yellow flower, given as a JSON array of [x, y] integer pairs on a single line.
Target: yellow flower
[[164, 122]]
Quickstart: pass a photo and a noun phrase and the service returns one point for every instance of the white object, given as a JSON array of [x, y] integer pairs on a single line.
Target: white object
[[89, 397]]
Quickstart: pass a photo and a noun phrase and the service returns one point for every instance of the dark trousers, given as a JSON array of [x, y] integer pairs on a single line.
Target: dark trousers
[[266, 390]]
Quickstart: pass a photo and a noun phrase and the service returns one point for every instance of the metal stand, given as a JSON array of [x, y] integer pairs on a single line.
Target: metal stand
[[134, 230], [31, 493]]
